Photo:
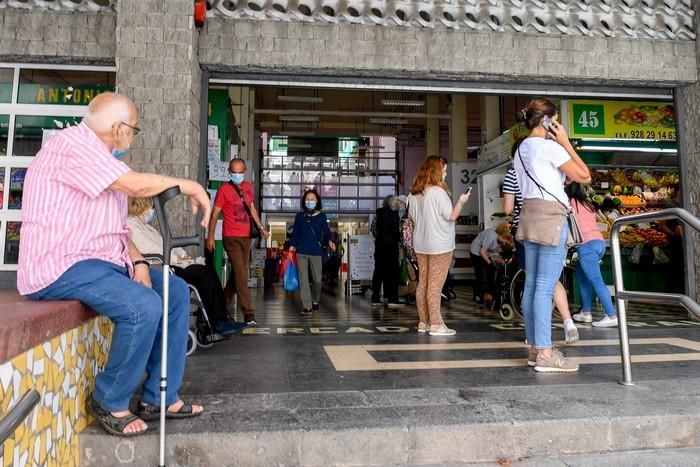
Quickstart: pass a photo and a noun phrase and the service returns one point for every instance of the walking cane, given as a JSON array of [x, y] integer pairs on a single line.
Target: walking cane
[[169, 243]]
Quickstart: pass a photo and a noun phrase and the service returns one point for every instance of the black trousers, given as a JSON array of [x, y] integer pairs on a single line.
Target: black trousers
[[386, 272], [483, 276], [206, 281]]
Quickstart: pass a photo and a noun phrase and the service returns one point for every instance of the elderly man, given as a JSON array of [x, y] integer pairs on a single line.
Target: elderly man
[[76, 246]]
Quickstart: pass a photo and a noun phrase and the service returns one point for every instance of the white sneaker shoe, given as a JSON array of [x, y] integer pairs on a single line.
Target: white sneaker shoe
[[583, 317], [571, 335], [441, 330], [423, 328], [606, 322]]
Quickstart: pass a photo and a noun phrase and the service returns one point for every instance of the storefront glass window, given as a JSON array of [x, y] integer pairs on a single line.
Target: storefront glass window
[[62, 87], [30, 132], [6, 76], [12, 242], [4, 128], [16, 187]]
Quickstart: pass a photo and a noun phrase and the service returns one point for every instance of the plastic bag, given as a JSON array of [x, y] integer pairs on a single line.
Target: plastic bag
[[403, 278], [291, 274], [659, 256], [636, 255]]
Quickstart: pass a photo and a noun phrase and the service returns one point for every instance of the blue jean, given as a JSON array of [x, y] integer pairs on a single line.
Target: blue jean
[[136, 312], [589, 277], [543, 265]]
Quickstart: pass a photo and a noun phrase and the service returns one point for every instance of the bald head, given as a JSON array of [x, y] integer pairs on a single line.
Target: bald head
[[109, 108]]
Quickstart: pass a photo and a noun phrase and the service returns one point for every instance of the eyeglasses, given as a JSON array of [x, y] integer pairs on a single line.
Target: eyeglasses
[[135, 129]]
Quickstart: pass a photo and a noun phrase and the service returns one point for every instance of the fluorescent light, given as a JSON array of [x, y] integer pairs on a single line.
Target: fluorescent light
[[402, 102], [388, 121], [298, 118], [303, 99], [298, 146], [370, 147], [297, 133], [627, 149]]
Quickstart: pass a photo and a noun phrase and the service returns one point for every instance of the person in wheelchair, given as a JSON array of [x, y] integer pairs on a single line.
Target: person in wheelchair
[[483, 249], [193, 270]]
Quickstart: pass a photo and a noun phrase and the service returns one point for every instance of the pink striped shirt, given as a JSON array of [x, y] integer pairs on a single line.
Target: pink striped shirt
[[69, 213]]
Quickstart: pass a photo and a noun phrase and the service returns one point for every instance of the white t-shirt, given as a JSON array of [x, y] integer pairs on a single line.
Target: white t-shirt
[[433, 232], [542, 158]]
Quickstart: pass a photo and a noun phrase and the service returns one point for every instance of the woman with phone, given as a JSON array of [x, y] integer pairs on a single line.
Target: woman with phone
[[543, 161], [434, 218]]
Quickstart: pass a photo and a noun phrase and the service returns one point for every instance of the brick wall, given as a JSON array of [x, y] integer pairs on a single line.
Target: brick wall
[[445, 54], [56, 37]]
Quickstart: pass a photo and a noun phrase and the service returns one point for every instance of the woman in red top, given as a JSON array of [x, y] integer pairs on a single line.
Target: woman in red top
[[590, 253]]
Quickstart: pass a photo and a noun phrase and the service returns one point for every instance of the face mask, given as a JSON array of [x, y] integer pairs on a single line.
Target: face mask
[[236, 178], [150, 215], [444, 176], [402, 211], [119, 153], [310, 205]]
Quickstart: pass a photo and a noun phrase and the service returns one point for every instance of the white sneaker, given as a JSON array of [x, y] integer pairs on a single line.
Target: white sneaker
[[441, 330], [606, 322], [571, 335], [423, 328], [583, 317]]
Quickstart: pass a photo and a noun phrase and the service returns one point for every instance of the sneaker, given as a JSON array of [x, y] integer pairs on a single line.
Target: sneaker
[[394, 305], [377, 303], [423, 328], [250, 320], [571, 335], [314, 307], [305, 312], [226, 328], [606, 322], [441, 330], [583, 317], [532, 357], [557, 363]]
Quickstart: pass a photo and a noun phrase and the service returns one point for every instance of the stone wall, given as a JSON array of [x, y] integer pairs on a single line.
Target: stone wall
[[443, 54], [42, 36], [157, 67]]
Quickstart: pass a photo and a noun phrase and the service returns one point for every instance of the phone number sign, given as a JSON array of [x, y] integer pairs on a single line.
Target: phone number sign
[[622, 120]]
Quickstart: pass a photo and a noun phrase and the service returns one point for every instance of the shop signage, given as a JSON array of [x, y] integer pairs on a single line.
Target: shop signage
[[495, 151], [621, 120], [59, 95]]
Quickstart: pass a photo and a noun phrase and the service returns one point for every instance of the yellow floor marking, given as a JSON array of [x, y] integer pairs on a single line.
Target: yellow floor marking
[[358, 357]]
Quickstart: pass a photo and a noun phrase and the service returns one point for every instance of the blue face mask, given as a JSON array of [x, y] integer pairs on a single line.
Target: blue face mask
[[236, 178], [150, 215], [402, 211], [310, 205], [119, 153]]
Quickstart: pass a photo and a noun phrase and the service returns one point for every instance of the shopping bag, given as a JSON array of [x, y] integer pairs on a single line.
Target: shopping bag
[[291, 274], [636, 255], [403, 278]]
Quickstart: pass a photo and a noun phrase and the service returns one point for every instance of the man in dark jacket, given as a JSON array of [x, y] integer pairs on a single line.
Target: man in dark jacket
[[386, 253]]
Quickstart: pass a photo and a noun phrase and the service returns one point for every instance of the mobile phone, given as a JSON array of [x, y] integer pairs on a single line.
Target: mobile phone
[[469, 190], [547, 124]]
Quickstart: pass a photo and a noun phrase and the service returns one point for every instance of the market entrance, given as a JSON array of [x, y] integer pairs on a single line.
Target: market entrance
[[358, 146]]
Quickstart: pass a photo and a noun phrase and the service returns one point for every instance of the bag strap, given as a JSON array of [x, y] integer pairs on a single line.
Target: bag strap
[[308, 222], [245, 205], [527, 172]]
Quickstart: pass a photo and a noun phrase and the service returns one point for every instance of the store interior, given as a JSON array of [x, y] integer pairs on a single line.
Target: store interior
[[357, 146]]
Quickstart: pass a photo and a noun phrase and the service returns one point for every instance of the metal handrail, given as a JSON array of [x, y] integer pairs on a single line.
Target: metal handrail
[[622, 295], [16, 415]]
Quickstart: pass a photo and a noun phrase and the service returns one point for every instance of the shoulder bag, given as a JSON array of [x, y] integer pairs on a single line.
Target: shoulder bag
[[574, 235], [254, 231], [325, 250]]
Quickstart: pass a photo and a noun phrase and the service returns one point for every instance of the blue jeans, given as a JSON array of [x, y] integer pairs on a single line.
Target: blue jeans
[[589, 277], [136, 312], [543, 265]]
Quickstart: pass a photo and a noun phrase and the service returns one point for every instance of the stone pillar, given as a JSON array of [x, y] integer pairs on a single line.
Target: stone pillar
[[158, 67], [432, 127], [490, 118], [458, 128]]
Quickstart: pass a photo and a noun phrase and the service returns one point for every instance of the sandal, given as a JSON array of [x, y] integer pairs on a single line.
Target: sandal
[[152, 412], [112, 425]]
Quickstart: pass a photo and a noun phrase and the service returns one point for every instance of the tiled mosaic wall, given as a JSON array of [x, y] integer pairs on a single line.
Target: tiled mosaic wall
[[62, 370]]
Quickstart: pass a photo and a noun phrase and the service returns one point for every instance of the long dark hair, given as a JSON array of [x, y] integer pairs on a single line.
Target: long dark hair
[[319, 206], [536, 109], [575, 192]]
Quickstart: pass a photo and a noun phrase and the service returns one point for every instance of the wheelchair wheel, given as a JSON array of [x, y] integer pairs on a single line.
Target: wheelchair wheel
[[203, 340], [191, 342], [507, 312], [517, 286]]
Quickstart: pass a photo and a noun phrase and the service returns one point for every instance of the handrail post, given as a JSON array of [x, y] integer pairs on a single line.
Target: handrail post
[[621, 306]]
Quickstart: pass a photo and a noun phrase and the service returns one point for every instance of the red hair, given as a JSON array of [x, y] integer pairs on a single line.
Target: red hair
[[429, 173]]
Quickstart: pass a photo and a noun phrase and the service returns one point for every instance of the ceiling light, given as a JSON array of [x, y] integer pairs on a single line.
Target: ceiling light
[[626, 149], [363, 147], [303, 99], [298, 146], [404, 103], [298, 118], [388, 121], [297, 133]]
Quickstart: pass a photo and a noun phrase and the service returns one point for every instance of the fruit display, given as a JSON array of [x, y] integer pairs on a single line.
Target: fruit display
[[646, 179], [620, 178], [647, 116], [630, 201], [633, 236]]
